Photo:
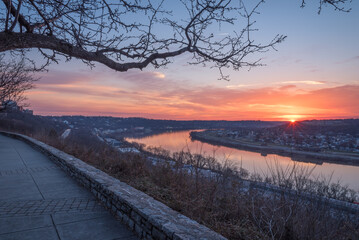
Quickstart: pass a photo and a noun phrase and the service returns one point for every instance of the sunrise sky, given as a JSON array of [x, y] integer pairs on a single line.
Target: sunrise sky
[[313, 75]]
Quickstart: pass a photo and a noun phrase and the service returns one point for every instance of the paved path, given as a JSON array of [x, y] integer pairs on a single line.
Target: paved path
[[39, 201]]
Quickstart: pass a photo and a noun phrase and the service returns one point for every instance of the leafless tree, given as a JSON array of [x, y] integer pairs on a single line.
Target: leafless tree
[[15, 79], [133, 34]]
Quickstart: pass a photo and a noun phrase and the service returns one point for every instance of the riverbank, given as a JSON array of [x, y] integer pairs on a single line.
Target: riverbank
[[297, 155]]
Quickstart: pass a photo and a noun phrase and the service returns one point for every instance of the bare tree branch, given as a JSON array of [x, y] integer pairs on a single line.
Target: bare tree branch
[[339, 5], [15, 79], [133, 34]]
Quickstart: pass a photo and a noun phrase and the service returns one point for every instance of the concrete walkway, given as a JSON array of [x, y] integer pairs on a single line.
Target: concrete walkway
[[39, 201]]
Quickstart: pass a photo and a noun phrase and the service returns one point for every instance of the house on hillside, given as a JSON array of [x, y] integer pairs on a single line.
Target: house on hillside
[[10, 106], [28, 111]]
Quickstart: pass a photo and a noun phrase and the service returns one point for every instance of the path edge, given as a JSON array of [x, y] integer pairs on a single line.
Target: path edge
[[147, 217]]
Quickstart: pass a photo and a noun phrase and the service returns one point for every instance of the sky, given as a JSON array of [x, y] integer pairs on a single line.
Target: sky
[[313, 74]]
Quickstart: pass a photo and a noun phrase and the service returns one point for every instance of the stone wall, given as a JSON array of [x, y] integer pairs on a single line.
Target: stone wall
[[147, 217]]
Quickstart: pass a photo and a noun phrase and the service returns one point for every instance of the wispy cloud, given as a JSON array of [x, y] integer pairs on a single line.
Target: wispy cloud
[[159, 75], [270, 106], [287, 87], [237, 86], [304, 82], [63, 77], [348, 60]]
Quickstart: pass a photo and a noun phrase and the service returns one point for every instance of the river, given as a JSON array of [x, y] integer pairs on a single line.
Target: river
[[252, 161]]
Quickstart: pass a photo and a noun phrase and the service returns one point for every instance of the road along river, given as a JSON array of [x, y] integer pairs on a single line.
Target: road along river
[[252, 161]]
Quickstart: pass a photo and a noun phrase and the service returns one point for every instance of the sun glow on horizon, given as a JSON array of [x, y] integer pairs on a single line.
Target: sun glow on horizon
[[292, 120]]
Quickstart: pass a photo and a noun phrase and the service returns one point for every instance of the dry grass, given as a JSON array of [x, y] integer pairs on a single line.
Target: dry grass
[[217, 200]]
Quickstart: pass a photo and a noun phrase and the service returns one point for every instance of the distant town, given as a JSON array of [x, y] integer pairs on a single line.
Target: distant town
[[313, 136]]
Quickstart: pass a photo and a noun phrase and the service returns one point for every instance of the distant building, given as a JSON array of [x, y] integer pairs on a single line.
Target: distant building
[[66, 133], [10, 106], [113, 142], [130, 149], [28, 111]]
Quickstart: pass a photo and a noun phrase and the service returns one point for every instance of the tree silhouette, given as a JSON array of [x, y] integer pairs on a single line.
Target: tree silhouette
[[15, 79], [133, 34]]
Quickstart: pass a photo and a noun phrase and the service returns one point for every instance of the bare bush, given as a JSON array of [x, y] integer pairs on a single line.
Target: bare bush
[[301, 179]]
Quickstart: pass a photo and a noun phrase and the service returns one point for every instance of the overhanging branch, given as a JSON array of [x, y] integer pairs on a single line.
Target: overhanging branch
[[13, 41]]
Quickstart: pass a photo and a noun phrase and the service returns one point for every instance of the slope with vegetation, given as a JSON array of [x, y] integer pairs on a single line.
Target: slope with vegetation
[[216, 200]]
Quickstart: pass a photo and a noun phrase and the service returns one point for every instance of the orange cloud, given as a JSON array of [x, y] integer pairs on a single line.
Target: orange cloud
[[304, 82], [188, 102]]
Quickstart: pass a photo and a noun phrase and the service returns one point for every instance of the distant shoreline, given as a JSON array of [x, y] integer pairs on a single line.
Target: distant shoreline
[[296, 155]]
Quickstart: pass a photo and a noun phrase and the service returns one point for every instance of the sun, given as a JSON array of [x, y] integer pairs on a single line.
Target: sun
[[292, 120]]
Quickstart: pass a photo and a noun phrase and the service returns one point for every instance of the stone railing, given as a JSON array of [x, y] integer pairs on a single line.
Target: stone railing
[[147, 217]]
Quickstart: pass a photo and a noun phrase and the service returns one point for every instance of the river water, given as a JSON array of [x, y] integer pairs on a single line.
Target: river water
[[252, 161]]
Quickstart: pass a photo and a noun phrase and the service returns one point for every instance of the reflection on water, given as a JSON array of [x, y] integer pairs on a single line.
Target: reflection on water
[[252, 161]]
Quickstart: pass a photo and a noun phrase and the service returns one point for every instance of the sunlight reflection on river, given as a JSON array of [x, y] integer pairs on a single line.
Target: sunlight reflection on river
[[252, 161]]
